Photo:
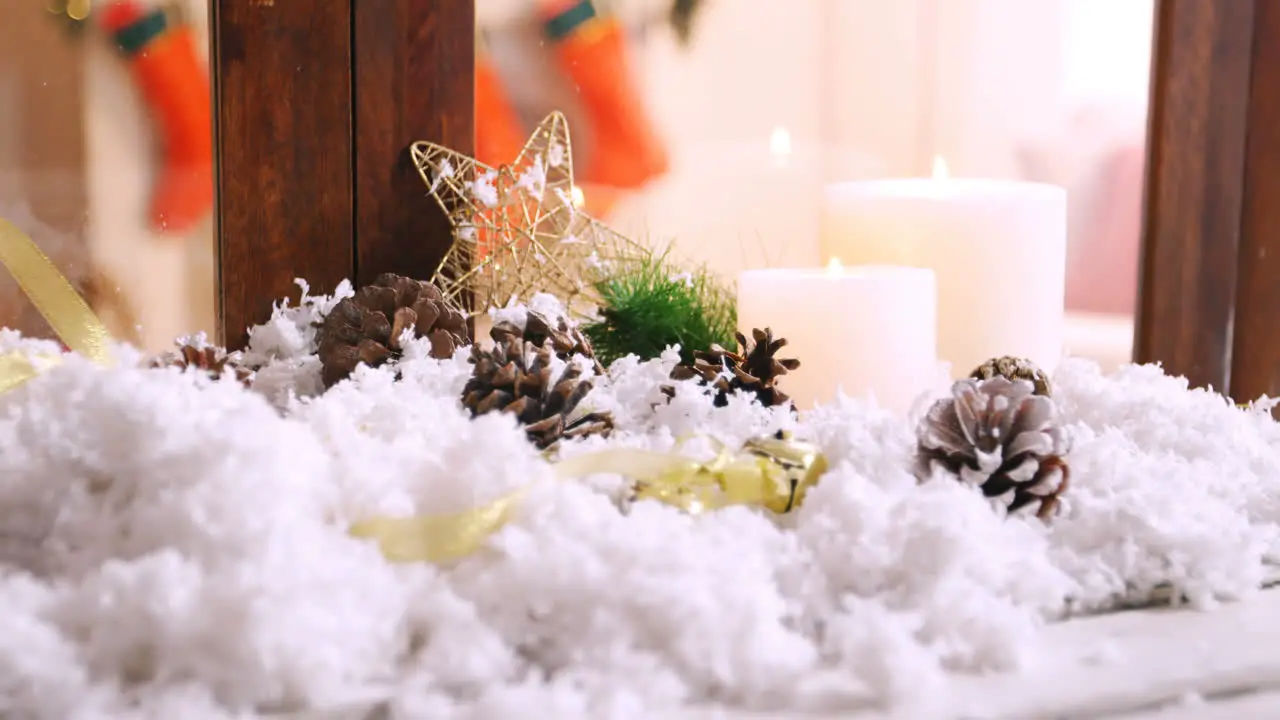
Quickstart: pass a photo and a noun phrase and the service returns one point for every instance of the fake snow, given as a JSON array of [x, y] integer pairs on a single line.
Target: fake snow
[[174, 546]]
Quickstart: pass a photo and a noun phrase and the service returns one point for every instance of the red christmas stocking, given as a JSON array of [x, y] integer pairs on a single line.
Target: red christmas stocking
[[165, 62], [592, 52], [499, 137]]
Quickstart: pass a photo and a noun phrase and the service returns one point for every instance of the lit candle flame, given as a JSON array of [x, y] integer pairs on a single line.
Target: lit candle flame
[[579, 198], [834, 267], [940, 171]]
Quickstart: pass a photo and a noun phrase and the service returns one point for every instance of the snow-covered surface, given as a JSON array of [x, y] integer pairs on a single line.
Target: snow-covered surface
[[1163, 664], [1192, 707], [1131, 663], [175, 547]]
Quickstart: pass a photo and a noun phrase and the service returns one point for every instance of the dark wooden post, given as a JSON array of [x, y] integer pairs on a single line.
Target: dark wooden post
[[1210, 290], [316, 105], [414, 80], [282, 93], [1255, 359], [1195, 186]]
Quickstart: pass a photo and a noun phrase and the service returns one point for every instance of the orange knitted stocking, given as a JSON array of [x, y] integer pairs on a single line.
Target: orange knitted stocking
[[498, 133], [592, 51], [166, 64]]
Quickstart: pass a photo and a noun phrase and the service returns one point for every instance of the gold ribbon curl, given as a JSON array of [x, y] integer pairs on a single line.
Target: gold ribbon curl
[[71, 318], [436, 538], [773, 472]]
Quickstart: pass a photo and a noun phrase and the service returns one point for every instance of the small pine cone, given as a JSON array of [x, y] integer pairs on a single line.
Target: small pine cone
[[366, 328], [754, 367], [1013, 368], [516, 377], [999, 435], [566, 340], [211, 359]]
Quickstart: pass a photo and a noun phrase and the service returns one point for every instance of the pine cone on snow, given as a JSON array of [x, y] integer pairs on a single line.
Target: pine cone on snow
[[999, 435], [754, 367], [516, 377], [211, 359], [566, 340], [366, 328], [1014, 368]]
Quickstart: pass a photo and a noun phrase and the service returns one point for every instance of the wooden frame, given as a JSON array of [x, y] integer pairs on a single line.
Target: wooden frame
[[317, 102], [1210, 282], [316, 106]]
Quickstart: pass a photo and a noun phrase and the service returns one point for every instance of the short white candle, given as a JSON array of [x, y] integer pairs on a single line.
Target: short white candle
[[998, 248], [866, 330]]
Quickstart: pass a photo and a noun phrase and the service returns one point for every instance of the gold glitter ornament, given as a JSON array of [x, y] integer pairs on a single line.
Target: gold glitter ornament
[[517, 228], [773, 472]]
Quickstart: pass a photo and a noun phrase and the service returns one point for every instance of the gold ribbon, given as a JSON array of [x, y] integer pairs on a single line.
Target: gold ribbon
[[774, 473], [437, 538], [52, 295]]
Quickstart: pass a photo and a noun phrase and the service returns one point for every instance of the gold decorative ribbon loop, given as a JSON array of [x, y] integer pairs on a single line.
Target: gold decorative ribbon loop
[[437, 538], [62, 307], [15, 369], [773, 473]]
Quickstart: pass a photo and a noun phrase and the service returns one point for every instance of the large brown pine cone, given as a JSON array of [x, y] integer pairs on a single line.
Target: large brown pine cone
[[754, 367], [516, 377], [1001, 436], [366, 328], [565, 340], [211, 359]]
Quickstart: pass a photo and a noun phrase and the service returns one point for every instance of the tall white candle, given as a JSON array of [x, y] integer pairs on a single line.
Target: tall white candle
[[998, 249], [866, 330]]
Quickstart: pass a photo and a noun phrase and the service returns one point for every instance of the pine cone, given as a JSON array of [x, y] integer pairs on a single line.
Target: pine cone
[[1001, 436], [754, 367], [566, 340], [516, 377], [213, 360], [366, 327], [1013, 368]]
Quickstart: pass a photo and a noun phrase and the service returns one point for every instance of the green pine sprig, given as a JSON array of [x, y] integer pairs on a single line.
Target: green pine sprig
[[654, 303]]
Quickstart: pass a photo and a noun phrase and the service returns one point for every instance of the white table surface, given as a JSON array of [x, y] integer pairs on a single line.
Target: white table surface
[[1165, 664]]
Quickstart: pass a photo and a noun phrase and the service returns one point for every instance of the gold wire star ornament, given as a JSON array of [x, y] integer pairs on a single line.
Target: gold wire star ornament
[[517, 228]]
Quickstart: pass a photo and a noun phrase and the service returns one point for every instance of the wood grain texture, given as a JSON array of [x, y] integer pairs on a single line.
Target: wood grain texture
[[284, 170], [1255, 358], [1195, 187], [415, 68]]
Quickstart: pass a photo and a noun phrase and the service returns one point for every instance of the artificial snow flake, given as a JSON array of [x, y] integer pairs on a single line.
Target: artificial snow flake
[[485, 189], [557, 155]]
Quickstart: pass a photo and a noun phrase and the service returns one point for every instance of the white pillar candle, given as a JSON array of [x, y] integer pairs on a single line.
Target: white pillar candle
[[1105, 339], [865, 330], [998, 249]]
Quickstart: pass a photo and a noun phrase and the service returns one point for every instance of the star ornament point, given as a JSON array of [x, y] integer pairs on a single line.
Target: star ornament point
[[518, 229]]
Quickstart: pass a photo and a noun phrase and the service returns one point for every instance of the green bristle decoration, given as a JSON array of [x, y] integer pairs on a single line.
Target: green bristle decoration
[[654, 304]]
